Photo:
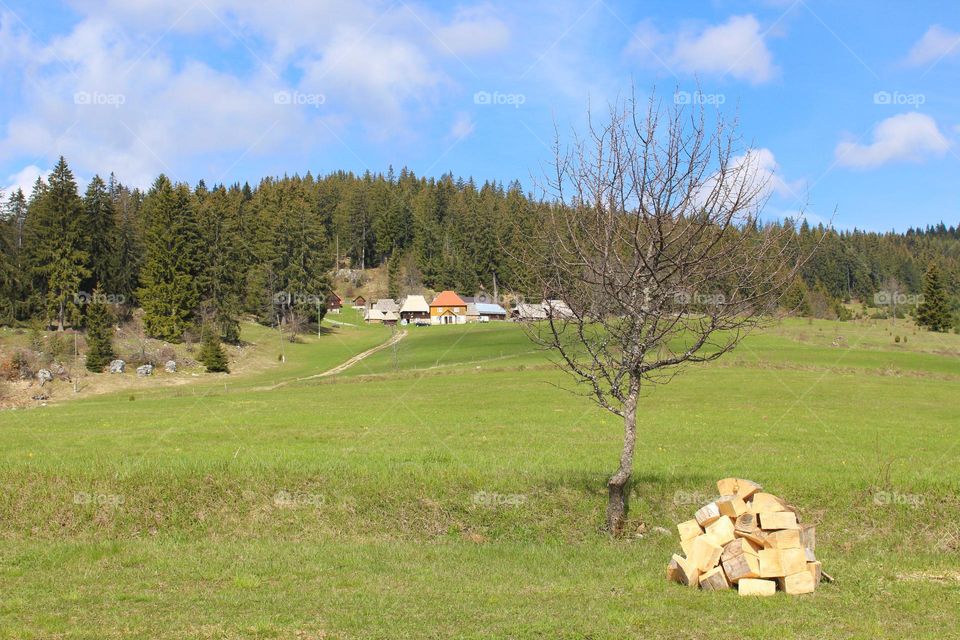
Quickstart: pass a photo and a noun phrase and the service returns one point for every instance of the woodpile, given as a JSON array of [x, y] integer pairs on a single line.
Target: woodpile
[[747, 540]]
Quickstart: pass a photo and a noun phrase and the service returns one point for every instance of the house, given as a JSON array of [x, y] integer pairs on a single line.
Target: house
[[557, 309], [415, 309], [489, 311], [359, 301], [334, 302], [385, 311], [448, 308], [473, 315]]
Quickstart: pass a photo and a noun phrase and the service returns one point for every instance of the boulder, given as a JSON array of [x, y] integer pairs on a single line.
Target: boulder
[[170, 366], [117, 366], [145, 370], [44, 376]]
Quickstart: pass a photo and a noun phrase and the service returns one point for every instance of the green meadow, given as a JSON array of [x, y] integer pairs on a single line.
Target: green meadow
[[453, 486]]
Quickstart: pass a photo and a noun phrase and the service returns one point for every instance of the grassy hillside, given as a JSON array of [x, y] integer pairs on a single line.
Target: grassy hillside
[[449, 488]]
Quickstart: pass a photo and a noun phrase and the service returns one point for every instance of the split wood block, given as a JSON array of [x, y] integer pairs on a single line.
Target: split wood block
[[756, 587], [792, 561], [784, 538], [689, 530], [810, 556], [721, 530], [753, 562], [771, 563], [808, 536], [682, 570], [737, 568], [727, 486], [687, 546], [771, 521], [765, 503], [798, 583], [707, 514], [706, 553], [731, 506], [747, 488], [815, 569], [714, 580], [746, 522], [738, 547]]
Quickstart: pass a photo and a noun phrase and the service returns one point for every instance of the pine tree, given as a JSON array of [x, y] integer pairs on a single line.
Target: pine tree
[[57, 243], [224, 271], [934, 312], [100, 229], [99, 332], [168, 289], [212, 355]]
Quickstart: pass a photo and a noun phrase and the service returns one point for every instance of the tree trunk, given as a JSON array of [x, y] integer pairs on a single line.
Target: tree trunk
[[617, 485]]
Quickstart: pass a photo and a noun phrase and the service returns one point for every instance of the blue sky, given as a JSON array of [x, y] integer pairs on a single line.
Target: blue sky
[[852, 106]]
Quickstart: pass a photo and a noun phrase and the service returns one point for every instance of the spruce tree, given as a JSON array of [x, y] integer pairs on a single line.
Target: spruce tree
[[168, 290], [212, 355], [100, 230], [223, 274], [99, 335], [934, 313]]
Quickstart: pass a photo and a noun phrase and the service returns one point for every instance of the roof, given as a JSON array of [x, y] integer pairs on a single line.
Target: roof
[[448, 299], [472, 309], [490, 309], [386, 304], [389, 315], [527, 311], [333, 294], [414, 304]]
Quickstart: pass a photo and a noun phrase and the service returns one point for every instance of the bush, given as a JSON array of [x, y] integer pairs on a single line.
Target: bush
[[896, 339]]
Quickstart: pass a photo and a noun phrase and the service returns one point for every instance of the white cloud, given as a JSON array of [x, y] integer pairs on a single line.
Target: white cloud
[[908, 137], [23, 179], [462, 127], [474, 31], [936, 43], [736, 48], [755, 171]]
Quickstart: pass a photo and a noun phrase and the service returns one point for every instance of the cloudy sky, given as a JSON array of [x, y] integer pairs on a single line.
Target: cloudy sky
[[852, 105]]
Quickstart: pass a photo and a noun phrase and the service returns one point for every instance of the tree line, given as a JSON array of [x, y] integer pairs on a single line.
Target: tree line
[[198, 258]]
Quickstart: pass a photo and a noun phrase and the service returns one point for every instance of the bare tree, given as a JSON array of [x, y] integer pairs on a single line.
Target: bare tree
[[649, 243]]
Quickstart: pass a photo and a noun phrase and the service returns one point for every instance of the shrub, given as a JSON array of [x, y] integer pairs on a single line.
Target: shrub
[[896, 339], [212, 355]]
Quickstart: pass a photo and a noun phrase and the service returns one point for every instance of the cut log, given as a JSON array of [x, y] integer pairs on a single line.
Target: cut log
[[682, 570], [771, 521], [689, 530], [706, 553], [808, 536], [727, 486], [798, 583], [746, 488], [714, 580], [721, 530], [815, 569], [737, 547], [792, 561], [771, 564], [707, 514], [687, 546], [738, 568], [766, 503], [731, 506], [753, 562], [784, 539], [756, 587], [746, 522]]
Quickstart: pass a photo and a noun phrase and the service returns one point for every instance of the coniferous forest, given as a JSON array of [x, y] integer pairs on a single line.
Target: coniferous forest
[[194, 258]]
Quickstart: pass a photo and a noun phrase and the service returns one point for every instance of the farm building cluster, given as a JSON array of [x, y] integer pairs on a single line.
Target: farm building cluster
[[447, 308]]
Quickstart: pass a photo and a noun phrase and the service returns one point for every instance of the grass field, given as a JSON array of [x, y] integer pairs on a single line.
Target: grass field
[[448, 488]]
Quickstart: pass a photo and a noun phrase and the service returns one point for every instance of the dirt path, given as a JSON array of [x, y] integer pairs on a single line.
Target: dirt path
[[397, 337]]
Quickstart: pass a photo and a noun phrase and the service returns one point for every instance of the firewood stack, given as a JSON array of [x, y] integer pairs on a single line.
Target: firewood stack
[[748, 540]]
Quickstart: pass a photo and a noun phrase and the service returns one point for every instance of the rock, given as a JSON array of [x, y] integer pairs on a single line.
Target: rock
[[44, 376], [170, 366], [117, 366], [41, 397], [58, 369], [145, 370]]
